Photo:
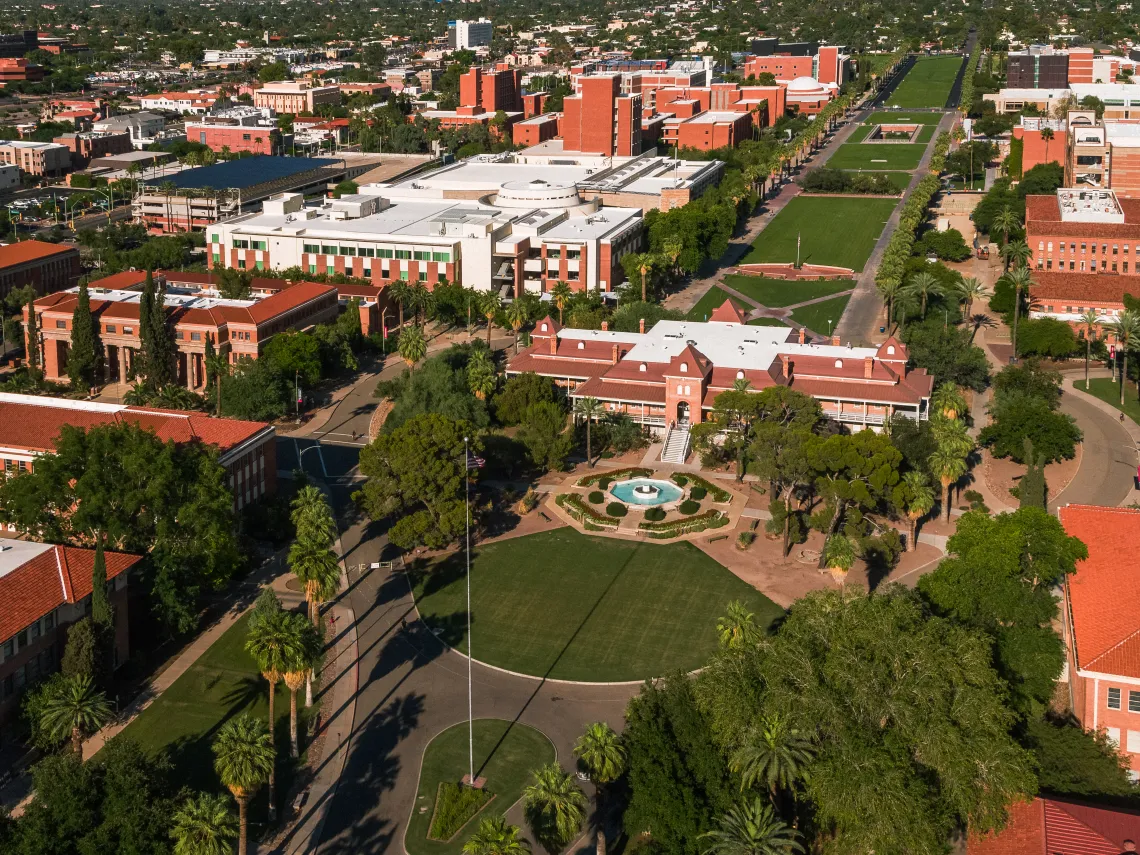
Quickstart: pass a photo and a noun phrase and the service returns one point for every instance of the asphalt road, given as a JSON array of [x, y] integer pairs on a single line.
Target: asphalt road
[[1108, 461]]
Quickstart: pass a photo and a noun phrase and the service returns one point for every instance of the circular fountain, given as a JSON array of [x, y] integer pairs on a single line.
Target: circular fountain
[[646, 491]]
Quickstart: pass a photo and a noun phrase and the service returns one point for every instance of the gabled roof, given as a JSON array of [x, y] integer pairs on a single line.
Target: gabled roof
[[892, 350], [727, 313], [1104, 593], [1050, 826], [689, 362]]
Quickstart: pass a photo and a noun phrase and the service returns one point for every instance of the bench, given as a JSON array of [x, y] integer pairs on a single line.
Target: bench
[[717, 537], [544, 516]]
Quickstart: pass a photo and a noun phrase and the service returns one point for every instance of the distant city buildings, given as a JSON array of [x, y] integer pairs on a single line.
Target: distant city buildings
[[242, 128], [45, 266], [36, 158], [295, 96], [465, 35]]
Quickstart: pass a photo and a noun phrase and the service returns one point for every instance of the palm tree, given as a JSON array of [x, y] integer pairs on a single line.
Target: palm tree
[[1091, 320], [516, 317], [489, 305], [1016, 254], [737, 627], [398, 292], [889, 290], [969, 290], [948, 399], [645, 264], [839, 556], [589, 409], [922, 285], [1021, 279], [1005, 221], [312, 517], [751, 828], [420, 300], [561, 295], [73, 710], [977, 321], [948, 465], [318, 571], [772, 753], [1047, 135], [495, 836], [920, 500], [303, 656], [1125, 329], [204, 825], [243, 758], [554, 806], [481, 378], [412, 346], [601, 751], [272, 642], [673, 247], [218, 365]]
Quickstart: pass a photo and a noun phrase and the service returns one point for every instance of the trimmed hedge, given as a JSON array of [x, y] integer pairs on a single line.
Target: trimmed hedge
[[697, 493], [717, 494], [616, 509], [655, 515], [614, 475], [689, 507], [572, 503], [711, 518], [596, 497]]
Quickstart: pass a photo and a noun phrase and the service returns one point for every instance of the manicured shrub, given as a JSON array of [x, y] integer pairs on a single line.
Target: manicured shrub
[[655, 515], [744, 539], [616, 509], [690, 507], [604, 484], [596, 497], [697, 493]]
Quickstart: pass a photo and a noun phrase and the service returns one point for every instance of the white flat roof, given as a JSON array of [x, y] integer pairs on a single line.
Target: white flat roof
[[1123, 134], [490, 176], [16, 553], [1033, 94], [1112, 94]]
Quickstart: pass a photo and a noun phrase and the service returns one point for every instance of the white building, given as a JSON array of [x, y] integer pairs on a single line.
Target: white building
[[143, 127], [466, 35], [528, 236]]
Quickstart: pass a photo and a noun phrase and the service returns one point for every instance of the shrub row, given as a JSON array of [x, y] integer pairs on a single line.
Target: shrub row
[[718, 494], [901, 245], [614, 475], [711, 518], [966, 98], [689, 507], [572, 503]]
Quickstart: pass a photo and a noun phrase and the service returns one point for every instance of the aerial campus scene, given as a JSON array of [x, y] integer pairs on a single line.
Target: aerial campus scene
[[476, 429]]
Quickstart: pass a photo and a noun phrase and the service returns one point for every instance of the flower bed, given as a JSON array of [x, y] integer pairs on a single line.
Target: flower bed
[[615, 475], [583, 513], [715, 493], [711, 518]]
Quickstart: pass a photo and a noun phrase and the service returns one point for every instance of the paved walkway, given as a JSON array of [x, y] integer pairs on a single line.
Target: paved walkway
[[861, 321]]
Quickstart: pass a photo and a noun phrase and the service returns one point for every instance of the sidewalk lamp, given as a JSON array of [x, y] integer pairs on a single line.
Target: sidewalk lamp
[[297, 387]]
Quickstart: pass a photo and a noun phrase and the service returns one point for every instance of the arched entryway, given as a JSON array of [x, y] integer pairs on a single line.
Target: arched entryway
[[682, 412]]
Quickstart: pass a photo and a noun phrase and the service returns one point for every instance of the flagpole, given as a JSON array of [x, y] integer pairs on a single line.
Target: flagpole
[[470, 714]]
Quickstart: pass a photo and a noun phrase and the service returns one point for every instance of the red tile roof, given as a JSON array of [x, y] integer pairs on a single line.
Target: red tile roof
[[1104, 593], [597, 387], [727, 313], [1048, 826], [1043, 216], [1098, 288], [31, 250], [35, 426], [58, 575]]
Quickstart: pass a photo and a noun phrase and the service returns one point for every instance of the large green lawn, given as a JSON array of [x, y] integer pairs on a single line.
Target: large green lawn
[[832, 230], [776, 293], [888, 118], [877, 157], [505, 754], [712, 300], [1109, 392], [184, 719], [928, 83], [568, 606], [816, 316]]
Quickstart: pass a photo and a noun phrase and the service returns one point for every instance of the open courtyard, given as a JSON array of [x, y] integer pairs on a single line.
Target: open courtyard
[[877, 157], [565, 605], [831, 230], [928, 83]]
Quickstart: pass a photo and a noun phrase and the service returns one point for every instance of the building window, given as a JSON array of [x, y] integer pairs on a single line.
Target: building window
[[1114, 699], [421, 255], [260, 265], [241, 263], [110, 328], [312, 268], [1133, 701], [384, 253], [260, 244], [403, 276], [1113, 735], [348, 250], [441, 256], [128, 330], [312, 248], [367, 252], [404, 253], [195, 336], [217, 259], [241, 244]]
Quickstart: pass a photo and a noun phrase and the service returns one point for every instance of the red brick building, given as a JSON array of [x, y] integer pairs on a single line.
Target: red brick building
[[1083, 230], [829, 65], [1036, 147], [1066, 296], [19, 69], [244, 128], [536, 129], [1053, 826], [238, 329], [45, 266], [601, 120], [45, 589], [493, 91], [1101, 624], [85, 147], [707, 131], [29, 425]]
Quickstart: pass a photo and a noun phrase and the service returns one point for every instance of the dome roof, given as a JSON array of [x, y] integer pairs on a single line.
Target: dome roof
[[537, 194], [805, 84]]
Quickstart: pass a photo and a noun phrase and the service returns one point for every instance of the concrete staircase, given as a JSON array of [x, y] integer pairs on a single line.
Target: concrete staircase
[[676, 447]]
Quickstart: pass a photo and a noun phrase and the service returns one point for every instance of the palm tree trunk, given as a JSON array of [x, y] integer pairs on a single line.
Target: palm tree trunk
[[601, 844], [490, 323], [1123, 374], [643, 285], [401, 304], [77, 742], [1088, 355], [272, 768], [1016, 306], [913, 545], [243, 823], [293, 752], [589, 450], [946, 498]]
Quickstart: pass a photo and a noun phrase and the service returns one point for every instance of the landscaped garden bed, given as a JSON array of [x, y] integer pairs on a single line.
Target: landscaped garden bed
[[455, 805], [711, 518], [717, 494], [614, 475], [572, 503]]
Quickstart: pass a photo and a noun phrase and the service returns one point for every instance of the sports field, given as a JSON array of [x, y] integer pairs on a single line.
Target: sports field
[[565, 605], [832, 230], [878, 157], [928, 83]]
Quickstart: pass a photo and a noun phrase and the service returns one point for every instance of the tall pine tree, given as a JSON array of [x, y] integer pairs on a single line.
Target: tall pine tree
[[101, 612], [33, 340], [85, 359], [162, 361], [146, 309]]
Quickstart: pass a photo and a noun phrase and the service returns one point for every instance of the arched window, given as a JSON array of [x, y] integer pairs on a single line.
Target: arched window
[[739, 375], [839, 363], [684, 368], [890, 350], [680, 389], [544, 327], [687, 392], [641, 367], [581, 345]]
